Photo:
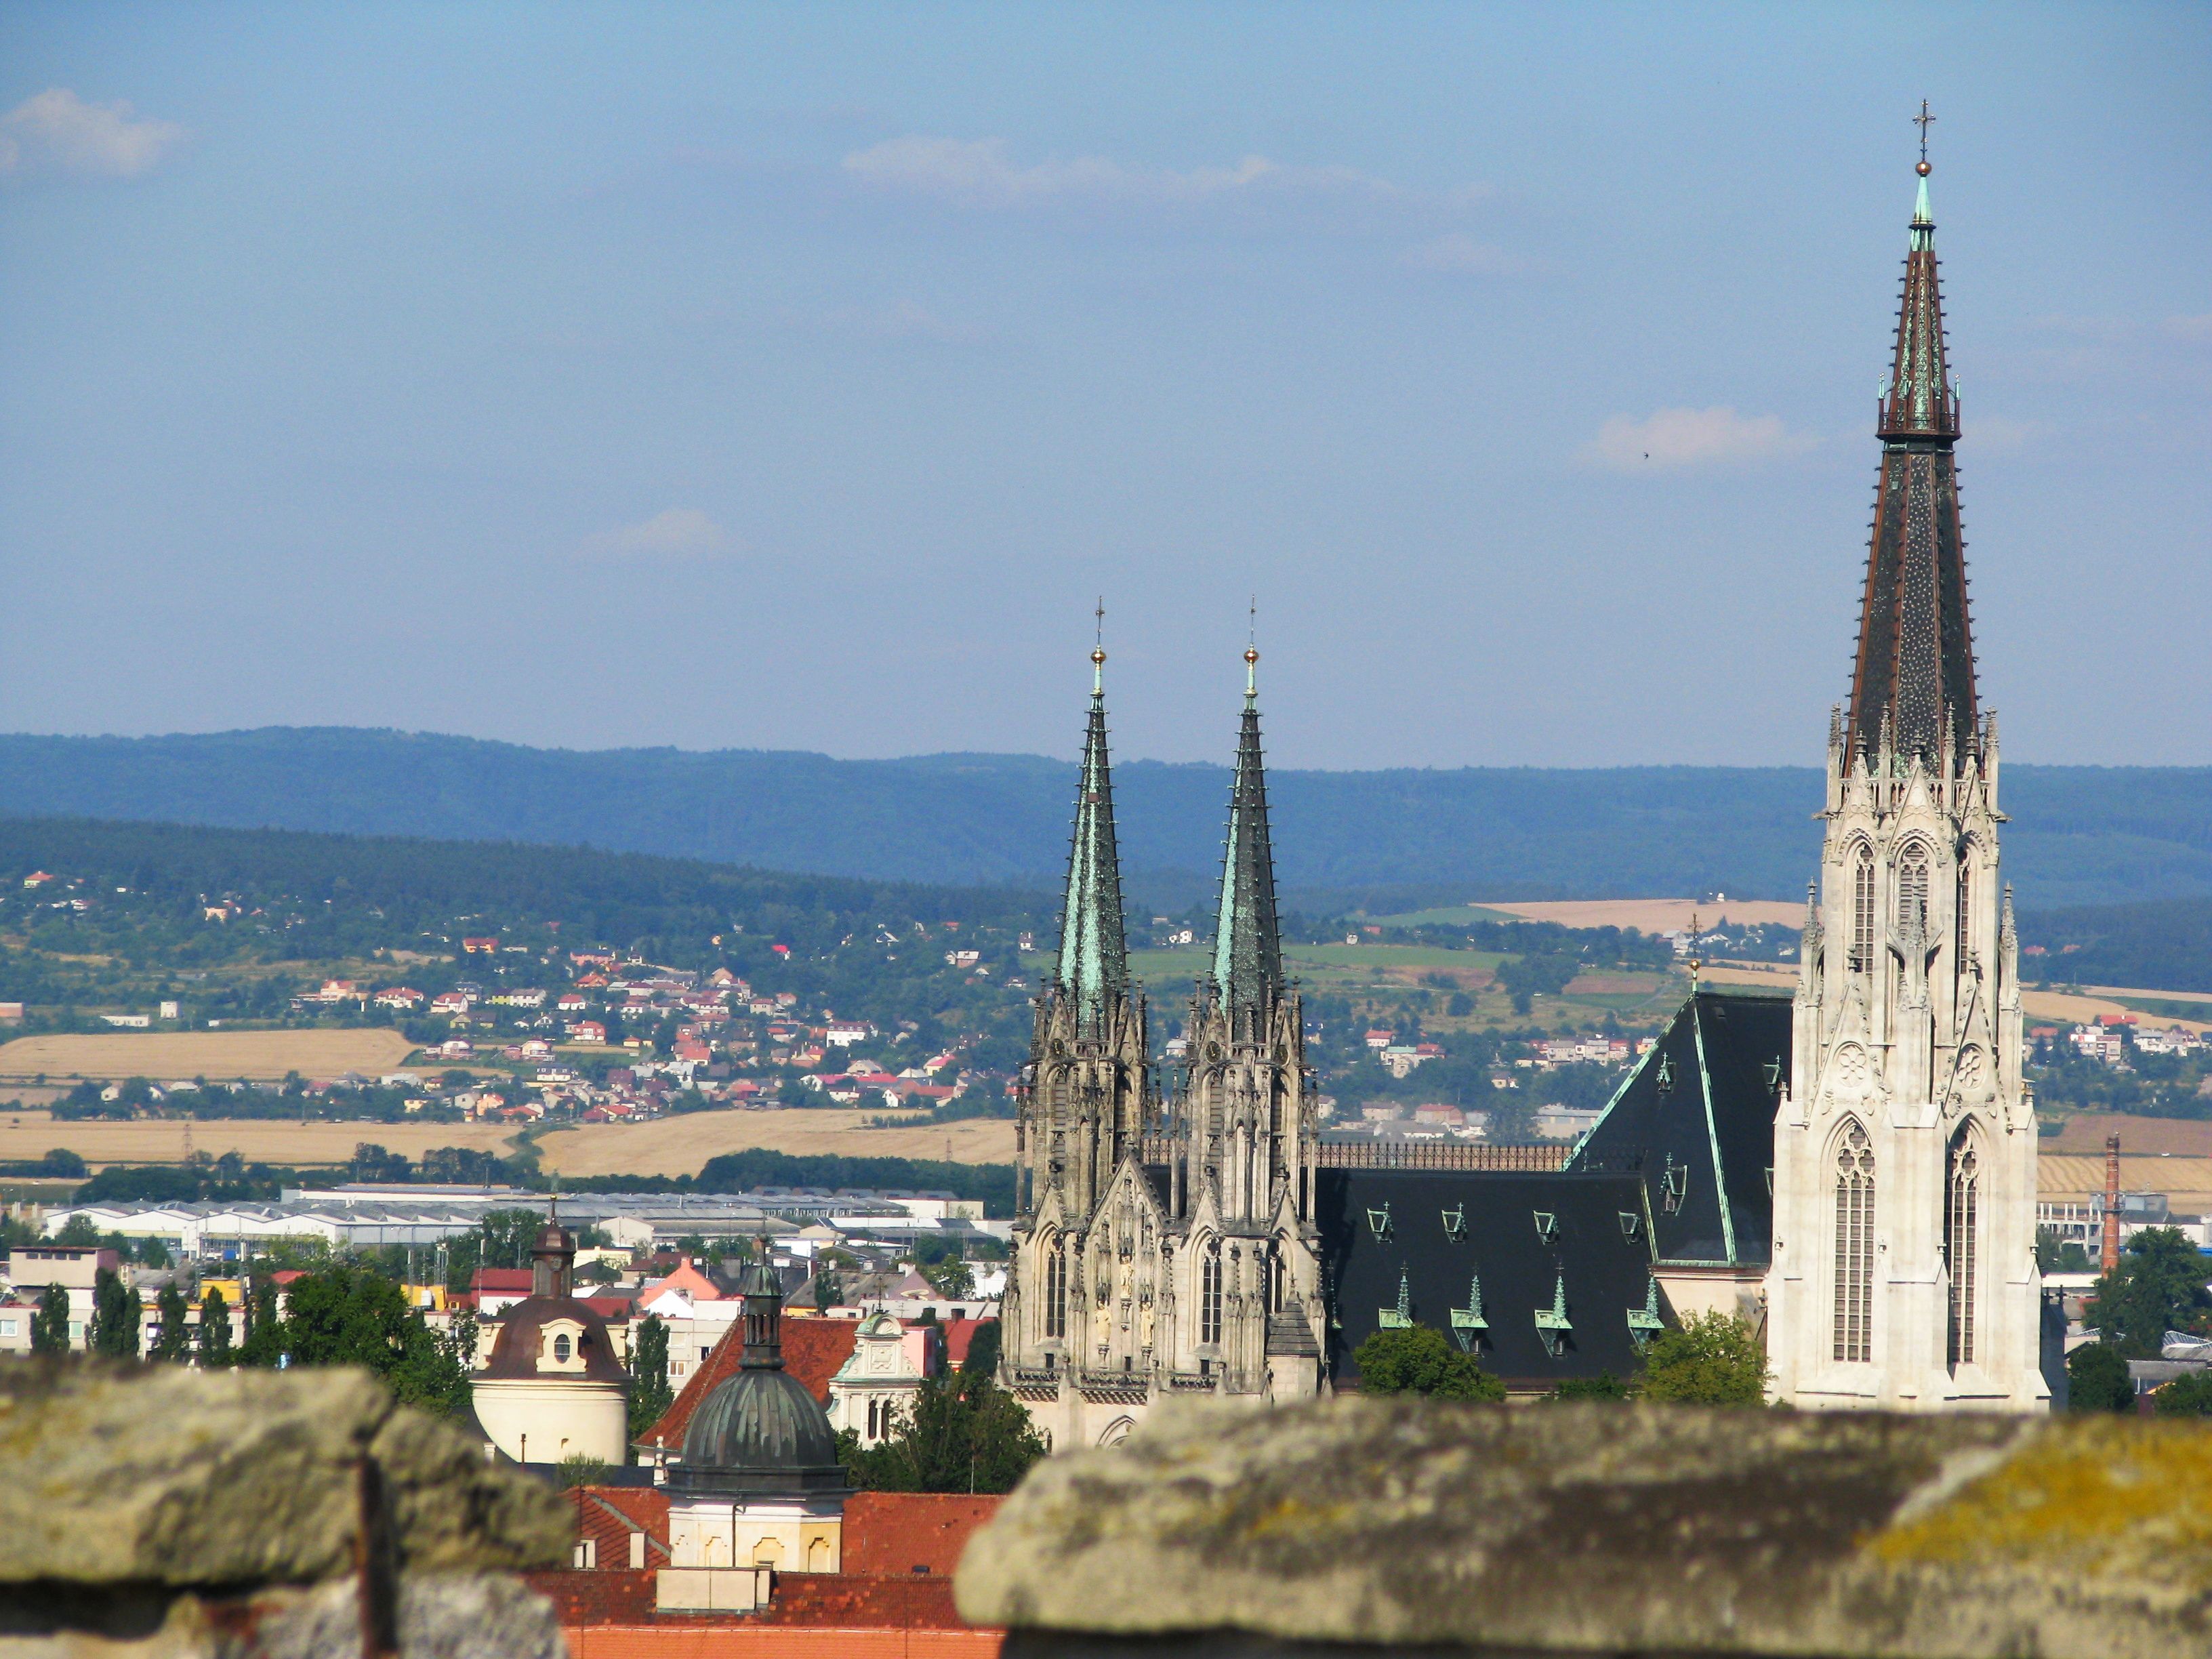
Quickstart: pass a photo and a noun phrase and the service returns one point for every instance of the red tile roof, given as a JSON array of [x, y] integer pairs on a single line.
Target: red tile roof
[[958, 1333], [848, 1601], [609, 1515], [913, 1533], [621, 1597], [813, 1349]]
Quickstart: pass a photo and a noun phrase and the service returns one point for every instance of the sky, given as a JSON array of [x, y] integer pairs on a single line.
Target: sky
[[801, 377]]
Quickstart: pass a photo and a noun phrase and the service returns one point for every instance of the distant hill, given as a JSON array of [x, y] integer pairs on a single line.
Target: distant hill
[[2080, 835], [2165, 946]]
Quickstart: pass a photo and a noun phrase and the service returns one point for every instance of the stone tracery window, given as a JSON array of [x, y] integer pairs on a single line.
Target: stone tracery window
[[1209, 1297], [1854, 1259], [1912, 892], [1055, 1290], [1961, 1211], [1964, 941], [1862, 911]]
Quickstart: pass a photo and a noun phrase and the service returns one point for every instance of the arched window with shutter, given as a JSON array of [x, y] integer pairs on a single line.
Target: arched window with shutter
[[1963, 942], [1962, 1218], [1912, 892], [1055, 1289], [1854, 1259], [1209, 1295], [1862, 911]]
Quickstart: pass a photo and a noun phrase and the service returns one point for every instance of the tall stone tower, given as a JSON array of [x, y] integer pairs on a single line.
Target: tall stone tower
[[1904, 1275], [1086, 1097], [1244, 1124]]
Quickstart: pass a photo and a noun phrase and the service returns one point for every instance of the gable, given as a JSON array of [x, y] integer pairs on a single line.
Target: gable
[[1695, 1122]]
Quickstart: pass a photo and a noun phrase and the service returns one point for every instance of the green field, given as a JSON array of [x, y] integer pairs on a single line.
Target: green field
[[1449, 916]]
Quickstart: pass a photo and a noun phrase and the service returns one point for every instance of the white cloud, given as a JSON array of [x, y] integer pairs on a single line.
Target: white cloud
[[979, 173], [1460, 255], [1675, 438], [57, 131], [678, 532], [2196, 330]]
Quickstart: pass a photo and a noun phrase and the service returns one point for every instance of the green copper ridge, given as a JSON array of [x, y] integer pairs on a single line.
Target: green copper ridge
[[1248, 955], [1094, 963]]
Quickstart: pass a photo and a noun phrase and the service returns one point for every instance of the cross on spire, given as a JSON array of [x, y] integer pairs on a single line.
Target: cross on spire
[[1924, 121]]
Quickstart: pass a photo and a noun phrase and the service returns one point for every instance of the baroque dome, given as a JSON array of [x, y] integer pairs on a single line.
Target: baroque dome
[[760, 1430]]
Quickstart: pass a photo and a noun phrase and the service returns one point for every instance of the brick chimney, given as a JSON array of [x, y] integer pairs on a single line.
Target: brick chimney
[[2111, 1259]]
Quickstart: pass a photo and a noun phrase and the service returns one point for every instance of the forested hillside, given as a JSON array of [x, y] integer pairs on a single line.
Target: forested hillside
[[2079, 834], [2155, 947]]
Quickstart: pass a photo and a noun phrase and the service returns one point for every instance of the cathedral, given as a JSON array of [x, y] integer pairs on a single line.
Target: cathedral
[[1852, 1169]]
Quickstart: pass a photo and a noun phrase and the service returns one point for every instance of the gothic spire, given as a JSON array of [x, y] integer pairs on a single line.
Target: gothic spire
[[1093, 953], [1248, 955], [1916, 652]]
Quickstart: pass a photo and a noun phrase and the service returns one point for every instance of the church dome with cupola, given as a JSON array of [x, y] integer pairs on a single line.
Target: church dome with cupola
[[553, 1385], [760, 1484]]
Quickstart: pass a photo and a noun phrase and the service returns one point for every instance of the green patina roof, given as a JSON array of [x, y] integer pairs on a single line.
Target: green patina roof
[[1248, 955], [1093, 954]]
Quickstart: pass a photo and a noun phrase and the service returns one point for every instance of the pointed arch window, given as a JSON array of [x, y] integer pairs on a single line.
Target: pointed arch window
[[1965, 940], [1854, 1263], [1961, 1216], [1055, 1290], [1209, 1297], [1912, 892], [1862, 911]]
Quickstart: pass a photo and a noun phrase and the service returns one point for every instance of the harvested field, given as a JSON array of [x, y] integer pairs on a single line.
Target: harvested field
[[1655, 915], [220, 1056], [679, 1145], [30, 1134]]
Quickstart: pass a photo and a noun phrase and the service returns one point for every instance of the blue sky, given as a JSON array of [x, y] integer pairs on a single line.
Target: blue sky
[[795, 377]]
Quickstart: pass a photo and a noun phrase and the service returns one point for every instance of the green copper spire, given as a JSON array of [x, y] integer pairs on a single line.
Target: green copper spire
[[1093, 954], [1248, 955]]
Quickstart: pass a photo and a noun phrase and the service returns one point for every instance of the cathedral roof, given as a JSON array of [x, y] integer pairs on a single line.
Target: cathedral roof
[[1912, 687], [1093, 952], [1695, 1122], [1248, 954], [1502, 1248]]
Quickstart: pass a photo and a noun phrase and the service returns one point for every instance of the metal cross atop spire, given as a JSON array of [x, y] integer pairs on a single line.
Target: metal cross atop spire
[[1252, 648], [1099, 652], [1924, 121]]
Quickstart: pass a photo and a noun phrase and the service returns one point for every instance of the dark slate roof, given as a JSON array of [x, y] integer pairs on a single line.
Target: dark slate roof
[[1696, 1118], [1598, 1244]]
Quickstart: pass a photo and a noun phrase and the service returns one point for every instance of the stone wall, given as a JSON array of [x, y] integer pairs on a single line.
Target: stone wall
[[163, 1511], [1375, 1524]]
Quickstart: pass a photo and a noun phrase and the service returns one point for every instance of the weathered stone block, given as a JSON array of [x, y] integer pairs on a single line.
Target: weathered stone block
[[1610, 1530], [160, 1510]]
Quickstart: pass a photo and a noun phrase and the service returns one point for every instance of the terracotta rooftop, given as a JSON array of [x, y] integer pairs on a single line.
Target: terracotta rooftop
[[813, 1349], [911, 1534]]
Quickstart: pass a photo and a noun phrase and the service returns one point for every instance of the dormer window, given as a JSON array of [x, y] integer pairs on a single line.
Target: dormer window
[[560, 1350]]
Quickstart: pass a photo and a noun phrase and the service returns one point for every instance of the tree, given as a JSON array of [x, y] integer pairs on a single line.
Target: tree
[[346, 1315], [2185, 1396], [2158, 1287], [829, 1288], [1604, 1386], [2097, 1380], [982, 1358], [952, 1279], [1418, 1360], [50, 1326], [579, 1470], [965, 1433], [264, 1331], [214, 1329], [114, 1328], [78, 1233], [175, 1344], [1714, 1359], [649, 1394], [2057, 1255]]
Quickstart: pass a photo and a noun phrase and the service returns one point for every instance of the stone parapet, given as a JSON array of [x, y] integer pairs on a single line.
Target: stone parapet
[[1374, 1524], [157, 1510]]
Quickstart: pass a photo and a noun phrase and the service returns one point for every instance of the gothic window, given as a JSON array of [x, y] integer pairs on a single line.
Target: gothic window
[[1964, 941], [1209, 1297], [1912, 892], [1961, 1204], [1862, 911], [1853, 1246], [1055, 1290]]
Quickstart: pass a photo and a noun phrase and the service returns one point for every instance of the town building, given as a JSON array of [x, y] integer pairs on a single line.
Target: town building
[[552, 1384]]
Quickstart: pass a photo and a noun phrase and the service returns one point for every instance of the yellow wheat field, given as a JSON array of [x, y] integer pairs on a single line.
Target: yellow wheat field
[[679, 1145], [32, 1134], [219, 1056]]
